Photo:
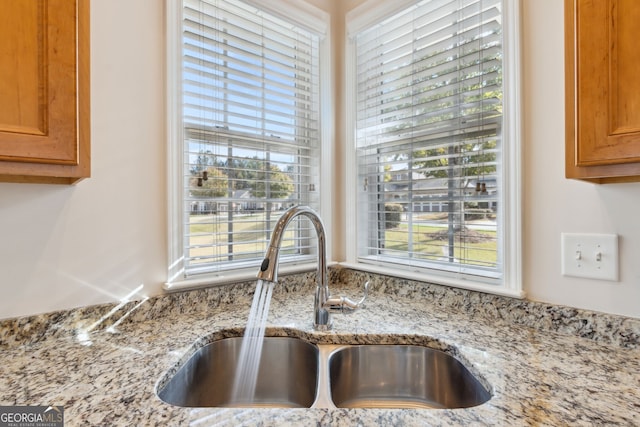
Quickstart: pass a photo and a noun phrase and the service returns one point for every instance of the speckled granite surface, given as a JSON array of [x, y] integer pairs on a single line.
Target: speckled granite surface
[[545, 365]]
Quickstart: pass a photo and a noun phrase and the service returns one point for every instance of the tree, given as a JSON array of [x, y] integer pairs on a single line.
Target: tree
[[215, 186], [476, 158], [242, 171], [273, 184], [203, 161]]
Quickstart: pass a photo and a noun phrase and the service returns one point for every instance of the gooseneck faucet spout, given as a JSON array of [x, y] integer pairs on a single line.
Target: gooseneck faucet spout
[[324, 304]]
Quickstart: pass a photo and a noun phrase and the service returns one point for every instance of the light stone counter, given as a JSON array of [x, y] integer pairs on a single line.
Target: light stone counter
[[544, 365]]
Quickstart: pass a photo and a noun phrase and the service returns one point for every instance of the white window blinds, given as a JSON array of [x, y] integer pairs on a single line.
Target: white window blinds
[[429, 138], [251, 132]]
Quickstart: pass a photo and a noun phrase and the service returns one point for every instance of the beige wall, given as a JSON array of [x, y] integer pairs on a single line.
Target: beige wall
[[99, 241], [553, 204]]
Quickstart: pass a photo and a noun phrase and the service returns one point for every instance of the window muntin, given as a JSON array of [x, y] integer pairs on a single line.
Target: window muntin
[[429, 139], [251, 128]]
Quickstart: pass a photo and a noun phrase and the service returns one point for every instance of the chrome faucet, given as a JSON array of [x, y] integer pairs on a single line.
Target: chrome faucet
[[324, 304]]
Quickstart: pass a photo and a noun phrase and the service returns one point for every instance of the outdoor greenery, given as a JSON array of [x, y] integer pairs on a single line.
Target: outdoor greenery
[[273, 184], [392, 213], [216, 185], [209, 234], [471, 248], [263, 179], [209, 237]]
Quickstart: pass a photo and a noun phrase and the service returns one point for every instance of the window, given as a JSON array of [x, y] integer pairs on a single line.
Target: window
[[247, 142], [436, 141]]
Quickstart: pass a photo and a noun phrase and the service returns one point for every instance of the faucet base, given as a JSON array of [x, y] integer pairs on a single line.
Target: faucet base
[[322, 328]]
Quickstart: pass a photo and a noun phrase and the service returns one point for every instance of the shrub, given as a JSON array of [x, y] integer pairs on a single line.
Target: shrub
[[392, 212]]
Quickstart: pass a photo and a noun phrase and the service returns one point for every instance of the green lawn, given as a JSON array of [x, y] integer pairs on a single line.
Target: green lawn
[[431, 243], [210, 236]]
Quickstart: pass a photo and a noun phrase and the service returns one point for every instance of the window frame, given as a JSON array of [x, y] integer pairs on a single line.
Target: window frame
[[510, 246], [307, 16]]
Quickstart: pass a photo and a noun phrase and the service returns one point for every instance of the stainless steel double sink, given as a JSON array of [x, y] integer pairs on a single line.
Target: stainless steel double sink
[[295, 373]]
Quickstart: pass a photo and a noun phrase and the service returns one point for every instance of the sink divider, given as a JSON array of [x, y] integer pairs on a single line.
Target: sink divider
[[323, 391]]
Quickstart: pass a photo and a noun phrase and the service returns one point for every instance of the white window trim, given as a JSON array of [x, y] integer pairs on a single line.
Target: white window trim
[[309, 17], [372, 11]]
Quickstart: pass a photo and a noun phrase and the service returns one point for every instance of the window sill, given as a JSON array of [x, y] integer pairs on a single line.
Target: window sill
[[435, 279], [225, 278]]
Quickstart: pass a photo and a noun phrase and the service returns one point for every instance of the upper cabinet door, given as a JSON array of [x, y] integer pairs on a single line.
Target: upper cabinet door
[[602, 90], [44, 90]]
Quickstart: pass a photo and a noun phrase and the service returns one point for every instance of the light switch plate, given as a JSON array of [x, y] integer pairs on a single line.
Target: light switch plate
[[592, 256]]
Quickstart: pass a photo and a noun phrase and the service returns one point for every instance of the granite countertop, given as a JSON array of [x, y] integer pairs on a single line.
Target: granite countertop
[[545, 365]]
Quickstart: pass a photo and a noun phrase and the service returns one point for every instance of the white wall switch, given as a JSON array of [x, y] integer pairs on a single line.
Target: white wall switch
[[593, 256]]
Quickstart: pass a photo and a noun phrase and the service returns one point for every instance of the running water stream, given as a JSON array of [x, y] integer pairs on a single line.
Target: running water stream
[[247, 369]]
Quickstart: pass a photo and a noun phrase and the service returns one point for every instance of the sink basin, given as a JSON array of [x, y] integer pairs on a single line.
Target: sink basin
[[296, 374], [287, 375], [401, 376]]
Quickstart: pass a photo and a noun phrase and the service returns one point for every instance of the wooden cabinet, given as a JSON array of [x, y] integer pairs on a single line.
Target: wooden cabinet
[[44, 91], [602, 66]]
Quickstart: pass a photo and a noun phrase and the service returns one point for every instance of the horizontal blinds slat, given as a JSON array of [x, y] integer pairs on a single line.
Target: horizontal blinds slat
[[238, 173], [245, 74], [434, 65], [222, 137], [243, 22], [259, 165], [251, 125], [402, 22], [217, 108], [303, 138], [436, 36], [472, 125], [210, 45], [249, 163], [248, 126], [235, 182], [431, 18], [476, 96], [430, 65], [279, 53], [278, 126], [216, 101]]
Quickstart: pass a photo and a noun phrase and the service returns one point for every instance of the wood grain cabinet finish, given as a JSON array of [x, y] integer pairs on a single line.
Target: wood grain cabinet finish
[[602, 66], [44, 91]]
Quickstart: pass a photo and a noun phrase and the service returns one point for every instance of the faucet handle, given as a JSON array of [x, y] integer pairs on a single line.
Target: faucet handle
[[344, 304]]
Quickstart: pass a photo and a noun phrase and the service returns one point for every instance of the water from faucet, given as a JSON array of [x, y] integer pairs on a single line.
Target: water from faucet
[[247, 369]]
